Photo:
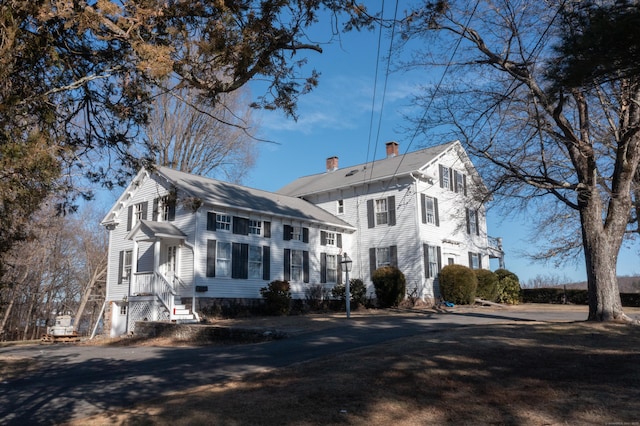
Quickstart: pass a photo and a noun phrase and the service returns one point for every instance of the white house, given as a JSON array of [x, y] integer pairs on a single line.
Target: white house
[[179, 241], [418, 211]]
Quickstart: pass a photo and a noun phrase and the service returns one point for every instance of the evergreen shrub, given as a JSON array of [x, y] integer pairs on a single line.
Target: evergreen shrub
[[508, 287], [277, 297], [358, 293], [458, 284], [390, 285], [487, 285]]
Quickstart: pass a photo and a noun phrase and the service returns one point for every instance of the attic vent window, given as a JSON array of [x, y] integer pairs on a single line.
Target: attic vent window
[[351, 173]]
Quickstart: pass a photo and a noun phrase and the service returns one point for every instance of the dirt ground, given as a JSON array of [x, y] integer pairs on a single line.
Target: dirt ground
[[526, 374]]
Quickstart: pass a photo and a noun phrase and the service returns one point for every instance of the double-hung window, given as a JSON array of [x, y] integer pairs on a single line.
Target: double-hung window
[[296, 233], [255, 262], [126, 265], [223, 259], [383, 257], [296, 265], [332, 268], [474, 260], [381, 211], [472, 222], [430, 208], [445, 177], [433, 261]]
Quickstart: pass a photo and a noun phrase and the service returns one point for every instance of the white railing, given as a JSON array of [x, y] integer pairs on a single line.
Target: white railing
[[165, 292], [154, 284]]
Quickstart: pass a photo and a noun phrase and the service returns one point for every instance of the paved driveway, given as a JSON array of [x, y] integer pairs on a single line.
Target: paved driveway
[[76, 381]]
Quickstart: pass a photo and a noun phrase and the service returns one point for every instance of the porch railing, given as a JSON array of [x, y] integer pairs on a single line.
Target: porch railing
[[154, 284]]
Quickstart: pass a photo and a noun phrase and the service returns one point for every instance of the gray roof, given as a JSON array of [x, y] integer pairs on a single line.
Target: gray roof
[[223, 194], [151, 229], [357, 175]]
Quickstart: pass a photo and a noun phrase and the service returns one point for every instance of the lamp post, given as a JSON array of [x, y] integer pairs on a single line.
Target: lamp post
[[346, 261]]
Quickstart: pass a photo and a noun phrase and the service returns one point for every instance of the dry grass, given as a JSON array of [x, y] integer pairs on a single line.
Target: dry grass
[[530, 374]]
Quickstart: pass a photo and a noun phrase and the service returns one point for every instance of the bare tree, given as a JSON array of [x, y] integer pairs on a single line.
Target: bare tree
[[534, 138], [189, 134], [63, 258]]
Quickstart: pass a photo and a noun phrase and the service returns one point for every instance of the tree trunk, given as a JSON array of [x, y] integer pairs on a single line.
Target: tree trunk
[[601, 247]]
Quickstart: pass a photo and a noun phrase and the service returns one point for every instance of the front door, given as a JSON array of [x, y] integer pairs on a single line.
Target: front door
[[171, 263]]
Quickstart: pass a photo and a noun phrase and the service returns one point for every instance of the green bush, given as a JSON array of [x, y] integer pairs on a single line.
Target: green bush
[[487, 285], [358, 293], [508, 287], [390, 285], [277, 297], [458, 284]]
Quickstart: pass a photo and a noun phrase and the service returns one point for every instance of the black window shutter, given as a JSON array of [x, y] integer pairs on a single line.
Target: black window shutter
[[391, 206], [266, 263], [323, 267], [439, 260], [339, 269], [129, 217], [211, 258], [287, 264], [468, 224], [371, 219], [172, 210], [120, 267], [470, 260], [464, 183], [145, 206], [239, 260], [288, 230], [339, 240], [423, 204], [267, 229], [477, 223], [372, 260], [455, 181], [425, 256], [435, 210], [441, 169], [240, 225], [211, 221], [305, 235], [393, 254], [156, 213], [451, 179], [305, 266], [479, 260], [323, 238]]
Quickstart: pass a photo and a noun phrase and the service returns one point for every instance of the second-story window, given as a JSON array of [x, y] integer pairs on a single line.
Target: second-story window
[[460, 181], [255, 227], [296, 233], [445, 177], [472, 222], [340, 205], [430, 208], [223, 222], [331, 238], [381, 211]]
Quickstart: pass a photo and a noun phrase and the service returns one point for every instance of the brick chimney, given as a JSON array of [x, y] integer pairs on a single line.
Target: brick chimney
[[392, 149], [332, 164]]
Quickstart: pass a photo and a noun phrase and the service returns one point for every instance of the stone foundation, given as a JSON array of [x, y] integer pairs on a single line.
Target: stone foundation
[[202, 333]]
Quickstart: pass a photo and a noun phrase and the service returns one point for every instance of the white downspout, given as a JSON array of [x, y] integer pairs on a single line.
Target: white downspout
[[422, 280]]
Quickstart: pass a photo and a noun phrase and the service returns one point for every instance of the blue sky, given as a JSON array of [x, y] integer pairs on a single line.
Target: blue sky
[[340, 118]]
